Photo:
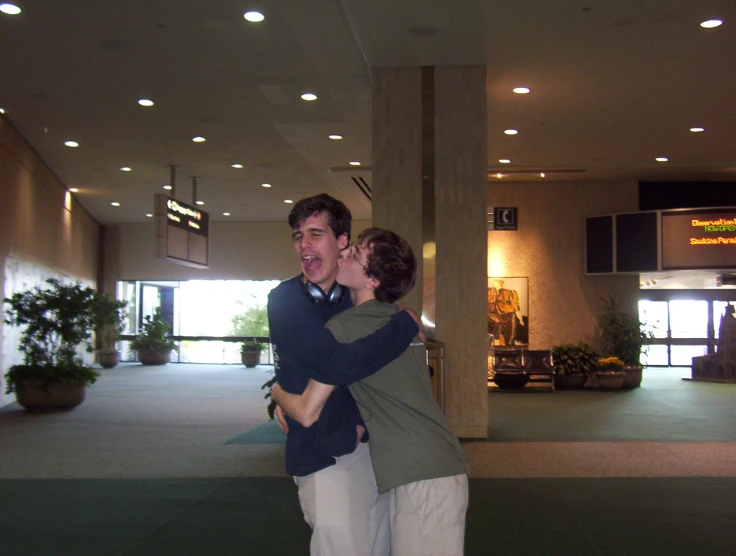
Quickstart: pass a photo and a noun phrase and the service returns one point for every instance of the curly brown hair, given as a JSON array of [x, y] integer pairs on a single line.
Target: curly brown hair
[[391, 261], [339, 217]]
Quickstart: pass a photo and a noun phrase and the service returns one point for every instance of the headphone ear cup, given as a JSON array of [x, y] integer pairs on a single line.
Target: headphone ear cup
[[335, 293], [314, 293]]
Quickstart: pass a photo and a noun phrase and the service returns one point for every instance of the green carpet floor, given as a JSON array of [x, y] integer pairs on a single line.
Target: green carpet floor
[[541, 517], [267, 433]]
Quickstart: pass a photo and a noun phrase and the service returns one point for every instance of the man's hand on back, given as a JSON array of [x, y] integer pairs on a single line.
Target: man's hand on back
[[417, 319]]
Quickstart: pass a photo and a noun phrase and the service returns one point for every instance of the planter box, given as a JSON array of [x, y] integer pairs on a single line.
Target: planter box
[[633, 376], [59, 396]]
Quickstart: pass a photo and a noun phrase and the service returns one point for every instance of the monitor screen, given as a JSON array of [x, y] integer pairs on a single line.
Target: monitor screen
[[697, 239]]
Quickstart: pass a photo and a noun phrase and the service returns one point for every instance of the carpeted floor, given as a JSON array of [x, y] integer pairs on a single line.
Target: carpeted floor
[[150, 464]]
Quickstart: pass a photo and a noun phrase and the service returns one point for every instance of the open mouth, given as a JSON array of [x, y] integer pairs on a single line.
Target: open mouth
[[311, 263]]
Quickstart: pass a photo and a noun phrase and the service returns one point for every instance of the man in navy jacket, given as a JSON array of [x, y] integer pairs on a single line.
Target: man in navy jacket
[[330, 461]]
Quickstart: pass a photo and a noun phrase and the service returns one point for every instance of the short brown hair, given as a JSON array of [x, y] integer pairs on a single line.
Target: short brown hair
[[391, 262], [338, 215]]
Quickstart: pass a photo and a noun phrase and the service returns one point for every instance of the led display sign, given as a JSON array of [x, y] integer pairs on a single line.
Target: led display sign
[[694, 239], [182, 232]]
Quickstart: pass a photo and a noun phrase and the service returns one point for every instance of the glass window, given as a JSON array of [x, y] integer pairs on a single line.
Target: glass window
[[719, 308], [689, 319], [682, 356], [655, 356], [654, 316]]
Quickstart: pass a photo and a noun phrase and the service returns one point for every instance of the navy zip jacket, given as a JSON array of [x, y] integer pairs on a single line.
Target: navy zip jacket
[[305, 349]]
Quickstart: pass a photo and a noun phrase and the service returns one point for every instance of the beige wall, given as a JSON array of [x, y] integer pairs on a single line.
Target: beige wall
[[41, 221], [564, 304], [238, 251]]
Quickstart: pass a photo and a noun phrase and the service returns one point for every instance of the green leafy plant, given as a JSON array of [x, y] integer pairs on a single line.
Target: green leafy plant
[[575, 359], [252, 346], [625, 336], [110, 316], [269, 384], [156, 335], [57, 320], [610, 364]]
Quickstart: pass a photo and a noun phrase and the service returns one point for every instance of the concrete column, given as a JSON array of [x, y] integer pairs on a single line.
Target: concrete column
[[429, 185]]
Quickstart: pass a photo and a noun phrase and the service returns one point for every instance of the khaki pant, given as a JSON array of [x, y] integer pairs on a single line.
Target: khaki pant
[[344, 510], [428, 517]]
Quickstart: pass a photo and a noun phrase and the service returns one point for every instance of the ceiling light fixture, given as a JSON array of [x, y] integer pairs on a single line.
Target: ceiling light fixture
[[149, 215], [238, 166], [126, 169], [288, 201], [266, 185], [542, 175], [354, 163], [145, 102], [504, 161], [115, 204], [167, 187], [2, 110], [510, 131], [199, 202], [711, 23], [199, 139], [522, 90], [697, 129], [10, 9], [309, 97], [73, 189], [499, 176], [661, 159], [72, 144], [335, 137], [254, 17], [226, 214]]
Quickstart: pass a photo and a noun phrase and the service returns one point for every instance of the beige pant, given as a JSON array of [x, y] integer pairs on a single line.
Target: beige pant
[[344, 510], [428, 517]]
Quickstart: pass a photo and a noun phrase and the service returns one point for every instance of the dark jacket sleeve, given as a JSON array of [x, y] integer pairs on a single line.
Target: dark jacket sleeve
[[312, 347]]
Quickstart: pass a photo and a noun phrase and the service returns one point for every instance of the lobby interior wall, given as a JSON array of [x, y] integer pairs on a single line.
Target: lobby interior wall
[[548, 248], [238, 251], [41, 223]]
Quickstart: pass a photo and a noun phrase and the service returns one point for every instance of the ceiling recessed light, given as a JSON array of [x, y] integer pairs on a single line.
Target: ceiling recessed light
[[542, 175], [145, 102], [72, 144], [226, 214], [504, 161], [521, 90], [126, 169], [265, 185], [697, 129], [199, 139], [73, 189], [309, 97], [354, 163], [510, 131], [661, 159], [237, 165], [167, 187], [198, 202], [2, 110], [115, 204], [499, 176], [335, 137], [10, 9], [149, 215], [288, 201], [711, 23], [254, 17]]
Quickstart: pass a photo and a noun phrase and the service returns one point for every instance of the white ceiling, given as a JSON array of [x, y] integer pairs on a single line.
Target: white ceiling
[[615, 83]]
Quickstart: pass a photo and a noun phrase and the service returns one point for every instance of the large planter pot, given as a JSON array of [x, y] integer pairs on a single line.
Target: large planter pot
[[610, 380], [250, 358], [154, 357], [108, 359], [59, 396], [569, 382], [632, 379]]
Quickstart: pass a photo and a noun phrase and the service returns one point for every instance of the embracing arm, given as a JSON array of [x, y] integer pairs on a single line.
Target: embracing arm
[[304, 408]]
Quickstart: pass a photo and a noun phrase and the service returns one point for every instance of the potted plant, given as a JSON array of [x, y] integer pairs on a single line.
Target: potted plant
[[610, 373], [57, 320], [250, 352], [625, 337], [574, 363], [110, 318], [154, 343]]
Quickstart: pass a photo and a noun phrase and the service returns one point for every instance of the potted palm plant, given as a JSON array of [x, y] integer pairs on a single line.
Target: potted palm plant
[[58, 321], [154, 343], [625, 337], [250, 352], [110, 318], [574, 363]]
